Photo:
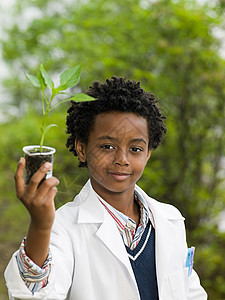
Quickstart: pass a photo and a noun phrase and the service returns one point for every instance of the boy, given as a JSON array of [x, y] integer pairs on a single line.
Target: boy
[[113, 242]]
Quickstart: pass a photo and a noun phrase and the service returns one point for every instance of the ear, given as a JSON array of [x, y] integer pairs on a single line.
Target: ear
[[81, 150], [148, 155]]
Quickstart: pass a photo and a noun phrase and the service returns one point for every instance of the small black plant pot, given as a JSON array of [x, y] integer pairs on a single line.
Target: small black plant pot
[[35, 159]]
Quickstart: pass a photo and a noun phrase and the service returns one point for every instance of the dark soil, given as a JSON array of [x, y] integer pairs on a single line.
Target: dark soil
[[33, 163]]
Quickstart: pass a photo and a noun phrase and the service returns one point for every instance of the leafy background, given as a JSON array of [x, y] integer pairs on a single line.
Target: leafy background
[[173, 49]]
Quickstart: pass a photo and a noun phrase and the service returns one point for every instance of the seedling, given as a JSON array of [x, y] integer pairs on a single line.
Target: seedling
[[36, 155], [68, 79]]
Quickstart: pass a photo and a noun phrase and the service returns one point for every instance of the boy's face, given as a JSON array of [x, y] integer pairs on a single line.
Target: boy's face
[[116, 153]]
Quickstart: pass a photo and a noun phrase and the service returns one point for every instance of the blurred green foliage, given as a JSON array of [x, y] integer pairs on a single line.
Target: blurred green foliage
[[171, 48], [16, 134]]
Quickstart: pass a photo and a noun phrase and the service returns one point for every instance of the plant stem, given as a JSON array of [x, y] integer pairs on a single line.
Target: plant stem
[[45, 117], [43, 104]]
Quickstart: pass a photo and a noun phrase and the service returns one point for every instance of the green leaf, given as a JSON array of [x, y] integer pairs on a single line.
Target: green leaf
[[78, 98], [64, 93], [34, 80], [43, 133], [70, 77], [57, 104], [81, 98], [48, 127], [47, 78], [42, 81]]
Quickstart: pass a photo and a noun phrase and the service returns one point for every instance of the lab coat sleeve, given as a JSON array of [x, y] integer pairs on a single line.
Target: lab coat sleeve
[[60, 277]]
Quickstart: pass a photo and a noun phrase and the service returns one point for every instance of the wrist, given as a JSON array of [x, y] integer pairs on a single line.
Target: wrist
[[40, 227], [37, 243]]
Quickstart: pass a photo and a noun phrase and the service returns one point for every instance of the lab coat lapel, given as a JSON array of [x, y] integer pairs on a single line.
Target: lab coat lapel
[[107, 231], [109, 235]]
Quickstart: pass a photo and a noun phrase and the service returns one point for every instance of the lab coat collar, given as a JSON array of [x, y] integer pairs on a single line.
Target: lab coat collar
[[90, 208]]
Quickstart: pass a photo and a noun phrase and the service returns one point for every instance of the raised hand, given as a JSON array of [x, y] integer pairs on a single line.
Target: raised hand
[[39, 201]]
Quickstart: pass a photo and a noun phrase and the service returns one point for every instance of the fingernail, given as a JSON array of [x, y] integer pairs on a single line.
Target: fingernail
[[46, 166], [21, 159]]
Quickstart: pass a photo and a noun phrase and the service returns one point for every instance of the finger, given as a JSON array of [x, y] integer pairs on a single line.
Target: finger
[[19, 180], [37, 177], [49, 198], [48, 187], [43, 212], [51, 194]]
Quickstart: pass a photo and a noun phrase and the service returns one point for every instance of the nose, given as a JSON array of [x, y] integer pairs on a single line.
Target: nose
[[121, 158]]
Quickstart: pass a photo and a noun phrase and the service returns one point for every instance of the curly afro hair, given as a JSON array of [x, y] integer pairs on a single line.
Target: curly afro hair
[[116, 94]]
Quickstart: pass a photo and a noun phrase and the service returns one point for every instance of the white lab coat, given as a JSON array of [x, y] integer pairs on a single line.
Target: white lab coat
[[90, 261]]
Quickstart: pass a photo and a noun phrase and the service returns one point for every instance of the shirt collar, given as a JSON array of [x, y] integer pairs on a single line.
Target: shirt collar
[[147, 213], [122, 220]]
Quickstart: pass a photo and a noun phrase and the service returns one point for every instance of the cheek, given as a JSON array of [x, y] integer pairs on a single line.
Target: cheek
[[97, 161], [96, 157], [140, 163]]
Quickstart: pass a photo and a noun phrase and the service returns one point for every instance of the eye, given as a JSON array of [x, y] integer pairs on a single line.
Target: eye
[[136, 149], [107, 147]]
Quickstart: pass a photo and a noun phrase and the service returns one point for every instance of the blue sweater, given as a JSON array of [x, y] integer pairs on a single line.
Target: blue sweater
[[142, 260]]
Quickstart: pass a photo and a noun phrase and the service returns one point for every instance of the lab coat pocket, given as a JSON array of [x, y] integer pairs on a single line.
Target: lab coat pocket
[[179, 284]]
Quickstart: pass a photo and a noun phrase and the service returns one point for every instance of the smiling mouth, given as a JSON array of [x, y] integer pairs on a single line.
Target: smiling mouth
[[119, 176]]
